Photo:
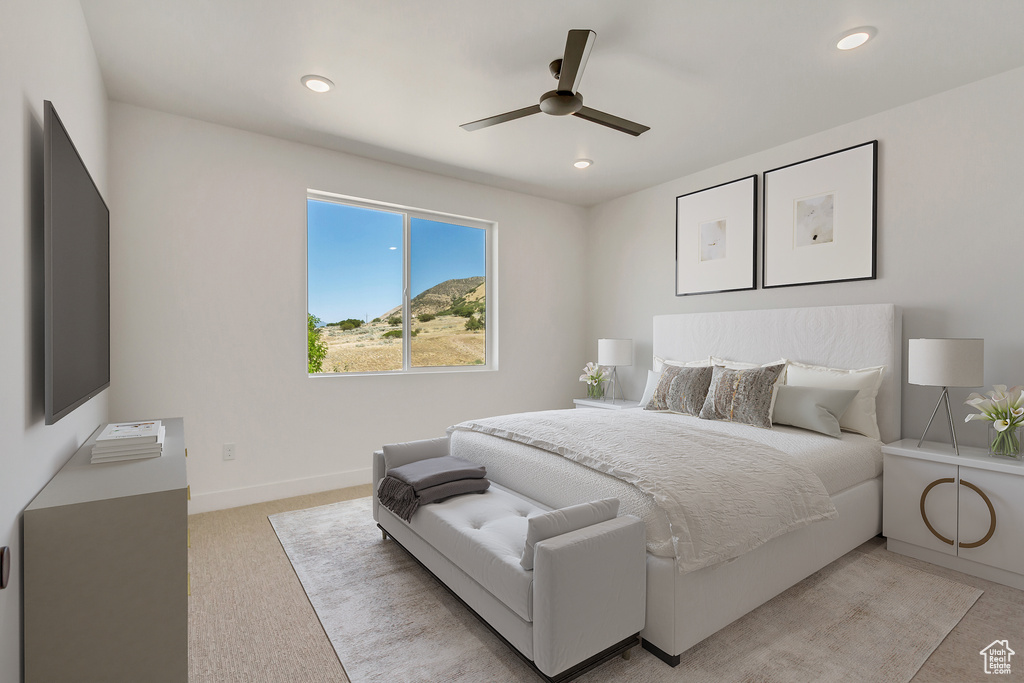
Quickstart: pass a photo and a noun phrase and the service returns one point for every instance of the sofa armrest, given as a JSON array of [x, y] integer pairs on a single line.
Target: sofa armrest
[[398, 454], [378, 474], [589, 592]]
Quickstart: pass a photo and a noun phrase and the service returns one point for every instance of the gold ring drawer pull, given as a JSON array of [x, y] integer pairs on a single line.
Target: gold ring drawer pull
[[991, 511], [924, 516]]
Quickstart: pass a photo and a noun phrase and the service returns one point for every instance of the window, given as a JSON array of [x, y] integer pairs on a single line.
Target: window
[[392, 289]]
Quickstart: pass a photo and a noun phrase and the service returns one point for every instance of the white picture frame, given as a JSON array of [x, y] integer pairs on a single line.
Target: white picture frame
[[820, 219], [716, 238]]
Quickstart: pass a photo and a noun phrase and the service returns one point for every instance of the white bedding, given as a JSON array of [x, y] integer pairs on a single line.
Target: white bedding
[[704, 530]]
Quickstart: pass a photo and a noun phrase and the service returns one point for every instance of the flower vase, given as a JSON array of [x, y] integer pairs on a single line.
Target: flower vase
[[1005, 443], [595, 390]]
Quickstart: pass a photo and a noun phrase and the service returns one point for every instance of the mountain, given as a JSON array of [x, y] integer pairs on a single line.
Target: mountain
[[442, 296]]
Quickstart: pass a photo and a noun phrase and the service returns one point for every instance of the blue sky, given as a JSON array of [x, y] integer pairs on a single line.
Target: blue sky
[[355, 258]]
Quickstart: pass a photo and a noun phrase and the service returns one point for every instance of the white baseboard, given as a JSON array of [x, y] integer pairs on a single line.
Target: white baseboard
[[232, 498]]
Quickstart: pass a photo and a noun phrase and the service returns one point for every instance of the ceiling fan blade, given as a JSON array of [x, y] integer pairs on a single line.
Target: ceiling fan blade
[[502, 118], [577, 50], [615, 122]]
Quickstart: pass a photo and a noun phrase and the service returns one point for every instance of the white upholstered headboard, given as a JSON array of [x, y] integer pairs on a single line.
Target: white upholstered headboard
[[836, 336]]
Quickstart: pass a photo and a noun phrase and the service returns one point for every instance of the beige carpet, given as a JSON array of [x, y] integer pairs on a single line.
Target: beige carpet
[[249, 620], [863, 618]]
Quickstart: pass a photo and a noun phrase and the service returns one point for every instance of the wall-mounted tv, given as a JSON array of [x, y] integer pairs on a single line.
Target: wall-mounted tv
[[76, 251]]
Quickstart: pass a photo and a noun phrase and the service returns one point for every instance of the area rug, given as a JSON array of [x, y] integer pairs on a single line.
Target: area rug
[[861, 618]]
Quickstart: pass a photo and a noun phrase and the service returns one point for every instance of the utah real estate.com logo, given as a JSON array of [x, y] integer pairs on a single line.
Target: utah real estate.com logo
[[997, 657]]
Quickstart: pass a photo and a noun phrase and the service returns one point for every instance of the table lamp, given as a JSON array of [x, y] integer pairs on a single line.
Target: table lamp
[[612, 353], [946, 363]]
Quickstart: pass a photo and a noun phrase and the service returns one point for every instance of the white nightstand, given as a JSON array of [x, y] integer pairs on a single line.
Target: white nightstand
[[605, 404], [962, 512]]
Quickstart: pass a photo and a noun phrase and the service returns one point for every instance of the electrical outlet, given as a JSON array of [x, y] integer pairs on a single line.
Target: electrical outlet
[[229, 451]]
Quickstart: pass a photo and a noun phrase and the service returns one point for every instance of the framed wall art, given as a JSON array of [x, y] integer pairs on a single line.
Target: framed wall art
[[820, 219], [716, 238]]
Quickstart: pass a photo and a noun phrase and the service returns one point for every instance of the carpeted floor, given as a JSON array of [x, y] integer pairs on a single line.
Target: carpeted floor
[[862, 618], [250, 620]]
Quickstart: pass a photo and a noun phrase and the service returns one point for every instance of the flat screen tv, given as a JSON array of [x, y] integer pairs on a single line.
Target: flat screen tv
[[76, 252]]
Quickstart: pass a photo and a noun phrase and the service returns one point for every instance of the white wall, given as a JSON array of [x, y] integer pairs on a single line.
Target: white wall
[[209, 281], [45, 53], [950, 238]]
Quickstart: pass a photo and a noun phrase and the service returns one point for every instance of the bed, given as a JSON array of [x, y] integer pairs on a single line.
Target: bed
[[691, 596]]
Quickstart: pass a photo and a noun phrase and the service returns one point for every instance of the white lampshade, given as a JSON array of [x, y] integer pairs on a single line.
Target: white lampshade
[[946, 362], [611, 352]]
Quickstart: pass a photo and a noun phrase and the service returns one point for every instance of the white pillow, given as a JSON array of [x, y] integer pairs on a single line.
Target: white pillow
[[743, 365], [860, 417], [652, 384], [812, 408], [660, 363], [557, 522]]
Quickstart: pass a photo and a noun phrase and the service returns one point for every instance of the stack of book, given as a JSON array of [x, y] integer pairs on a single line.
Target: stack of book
[[129, 441]]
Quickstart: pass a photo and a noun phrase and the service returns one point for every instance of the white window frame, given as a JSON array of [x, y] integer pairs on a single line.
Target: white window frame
[[491, 279]]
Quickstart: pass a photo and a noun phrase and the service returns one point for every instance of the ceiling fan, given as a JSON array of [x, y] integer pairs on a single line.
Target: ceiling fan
[[566, 99]]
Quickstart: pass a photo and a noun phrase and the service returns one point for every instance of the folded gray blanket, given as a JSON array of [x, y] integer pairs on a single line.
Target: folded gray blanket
[[405, 488], [433, 471]]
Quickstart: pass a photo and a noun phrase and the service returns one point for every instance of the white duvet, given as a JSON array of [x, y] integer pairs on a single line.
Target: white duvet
[[723, 489]]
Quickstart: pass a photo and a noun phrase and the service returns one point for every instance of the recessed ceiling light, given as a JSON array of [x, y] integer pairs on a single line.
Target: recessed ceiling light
[[582, 163], [392, 248], [856, 37], [317, 83]]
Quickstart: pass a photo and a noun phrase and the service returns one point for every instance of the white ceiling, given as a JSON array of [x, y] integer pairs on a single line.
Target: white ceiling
[[714, 79]]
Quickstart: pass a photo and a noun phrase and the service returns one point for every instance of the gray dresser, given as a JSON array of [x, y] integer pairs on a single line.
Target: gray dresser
[[106, 570]]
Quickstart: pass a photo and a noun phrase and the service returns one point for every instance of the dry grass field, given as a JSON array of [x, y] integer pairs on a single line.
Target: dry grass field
[[443, 341]]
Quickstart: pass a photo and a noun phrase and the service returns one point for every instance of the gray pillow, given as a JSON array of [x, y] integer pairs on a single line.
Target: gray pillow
[[557, 522], [814, 408], [688, 390], [660, 399], [742, 395]]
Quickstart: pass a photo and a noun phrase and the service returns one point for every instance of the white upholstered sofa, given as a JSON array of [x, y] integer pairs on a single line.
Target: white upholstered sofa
[[582, 603]]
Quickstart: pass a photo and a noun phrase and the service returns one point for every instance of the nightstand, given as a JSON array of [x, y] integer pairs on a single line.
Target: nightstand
[[961, 512], [605, 404]]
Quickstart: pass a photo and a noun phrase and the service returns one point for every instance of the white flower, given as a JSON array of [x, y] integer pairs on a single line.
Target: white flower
[[983, 405], [1016, 397], [593, 374], [1000, 399], [1004, 408]]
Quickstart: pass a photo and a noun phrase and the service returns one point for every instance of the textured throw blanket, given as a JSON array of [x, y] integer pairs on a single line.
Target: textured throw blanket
[[723, 495], [405, 488]]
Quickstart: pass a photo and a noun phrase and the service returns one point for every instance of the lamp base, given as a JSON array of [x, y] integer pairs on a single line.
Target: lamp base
[[943, 398]]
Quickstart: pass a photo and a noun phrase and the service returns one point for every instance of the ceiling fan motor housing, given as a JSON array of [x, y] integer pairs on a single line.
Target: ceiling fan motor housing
[[560, 103]]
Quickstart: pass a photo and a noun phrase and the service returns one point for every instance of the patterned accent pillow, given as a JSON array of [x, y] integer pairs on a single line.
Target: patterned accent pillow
[[688, 390], [742, 395], [660, 399]]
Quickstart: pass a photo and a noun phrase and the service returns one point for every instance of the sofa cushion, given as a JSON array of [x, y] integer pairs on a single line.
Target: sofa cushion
[[483, 534]]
